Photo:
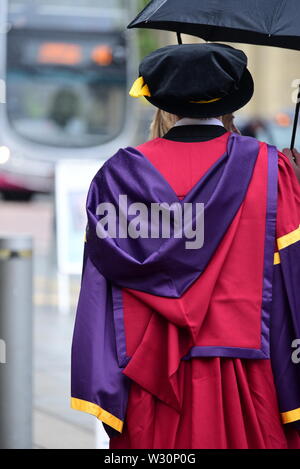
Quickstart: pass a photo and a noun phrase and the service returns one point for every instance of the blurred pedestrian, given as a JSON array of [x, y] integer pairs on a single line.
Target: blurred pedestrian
[[185, 346], [253, 127]]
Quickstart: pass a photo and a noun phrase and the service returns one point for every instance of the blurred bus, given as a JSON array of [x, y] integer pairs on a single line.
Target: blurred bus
[[67, 66]]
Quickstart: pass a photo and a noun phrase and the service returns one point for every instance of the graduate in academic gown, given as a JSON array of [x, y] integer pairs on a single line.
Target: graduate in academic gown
[[192, 343]]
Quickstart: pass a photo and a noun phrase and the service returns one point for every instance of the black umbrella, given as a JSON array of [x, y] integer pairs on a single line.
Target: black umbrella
[[261, 22]]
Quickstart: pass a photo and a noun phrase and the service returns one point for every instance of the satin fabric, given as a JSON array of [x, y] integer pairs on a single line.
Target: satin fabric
[[99, 384], [227, 403], [161, 266]]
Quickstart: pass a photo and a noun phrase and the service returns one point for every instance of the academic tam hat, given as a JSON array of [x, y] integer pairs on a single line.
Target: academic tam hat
[[195, 80]]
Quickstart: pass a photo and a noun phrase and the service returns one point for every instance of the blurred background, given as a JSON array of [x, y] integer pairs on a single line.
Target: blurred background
[[66, 67]]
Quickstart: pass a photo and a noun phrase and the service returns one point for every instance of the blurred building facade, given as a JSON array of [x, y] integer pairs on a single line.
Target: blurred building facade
[[274, 71]]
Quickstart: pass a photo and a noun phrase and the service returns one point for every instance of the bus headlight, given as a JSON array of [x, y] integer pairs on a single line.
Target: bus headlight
[[4, 154]]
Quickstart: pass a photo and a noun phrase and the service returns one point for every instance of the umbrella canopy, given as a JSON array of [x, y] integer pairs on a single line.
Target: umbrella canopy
[[263, 22]]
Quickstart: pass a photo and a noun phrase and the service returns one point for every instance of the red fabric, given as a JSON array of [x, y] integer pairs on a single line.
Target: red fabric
[[207, 402], [190, 161], [183, 164], [233, 269], [227, 404]]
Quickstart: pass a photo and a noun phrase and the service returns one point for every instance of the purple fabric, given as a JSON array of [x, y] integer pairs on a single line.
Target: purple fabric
[[290, 265], [96, 375], [229, 352], [165, 267], [271, 219], [264, 351], [119, 326], [162, 267], [285, 327]]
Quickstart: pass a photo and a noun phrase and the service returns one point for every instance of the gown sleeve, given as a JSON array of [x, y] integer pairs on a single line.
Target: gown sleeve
[[98, 385], [285, 319]]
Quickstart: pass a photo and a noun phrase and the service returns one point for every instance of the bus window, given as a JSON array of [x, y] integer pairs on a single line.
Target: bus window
[[66, 86]]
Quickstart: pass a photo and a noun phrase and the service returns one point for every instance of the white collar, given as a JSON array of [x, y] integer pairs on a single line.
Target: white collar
[[194, 121]]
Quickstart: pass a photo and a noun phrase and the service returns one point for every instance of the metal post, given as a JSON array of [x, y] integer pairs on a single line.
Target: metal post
[[16, 340]]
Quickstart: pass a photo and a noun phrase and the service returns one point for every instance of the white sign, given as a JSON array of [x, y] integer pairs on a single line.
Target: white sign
[[72, 182]]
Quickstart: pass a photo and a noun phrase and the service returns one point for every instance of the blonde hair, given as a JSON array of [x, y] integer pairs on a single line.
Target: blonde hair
[[162, 122]]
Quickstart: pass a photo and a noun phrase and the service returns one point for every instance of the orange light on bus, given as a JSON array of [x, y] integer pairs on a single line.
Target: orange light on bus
[[102, 55], [60, 53]]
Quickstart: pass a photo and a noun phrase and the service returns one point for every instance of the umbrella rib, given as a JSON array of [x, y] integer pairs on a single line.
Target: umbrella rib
[[275, 15]]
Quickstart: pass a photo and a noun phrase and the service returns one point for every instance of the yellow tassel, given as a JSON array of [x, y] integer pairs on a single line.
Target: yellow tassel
[[139, 89]]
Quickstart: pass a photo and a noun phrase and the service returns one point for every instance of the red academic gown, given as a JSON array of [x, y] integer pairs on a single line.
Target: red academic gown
[[227, 403]]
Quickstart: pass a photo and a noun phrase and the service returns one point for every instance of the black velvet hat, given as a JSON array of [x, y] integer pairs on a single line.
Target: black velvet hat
[[195, 80]]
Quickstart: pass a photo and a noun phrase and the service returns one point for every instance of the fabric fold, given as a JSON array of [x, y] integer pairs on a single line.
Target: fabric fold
[[177, 327]]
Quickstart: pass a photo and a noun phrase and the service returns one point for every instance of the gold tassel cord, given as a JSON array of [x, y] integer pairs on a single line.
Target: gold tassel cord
[[206, 102], [140, 89]]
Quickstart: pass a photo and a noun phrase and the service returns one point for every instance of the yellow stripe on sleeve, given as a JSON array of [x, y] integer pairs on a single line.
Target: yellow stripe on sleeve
[[276, 258], [288, 239], [291, 416], [97, 411]]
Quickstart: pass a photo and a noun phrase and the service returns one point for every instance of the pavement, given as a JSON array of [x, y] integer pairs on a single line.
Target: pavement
[[56, 426]]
